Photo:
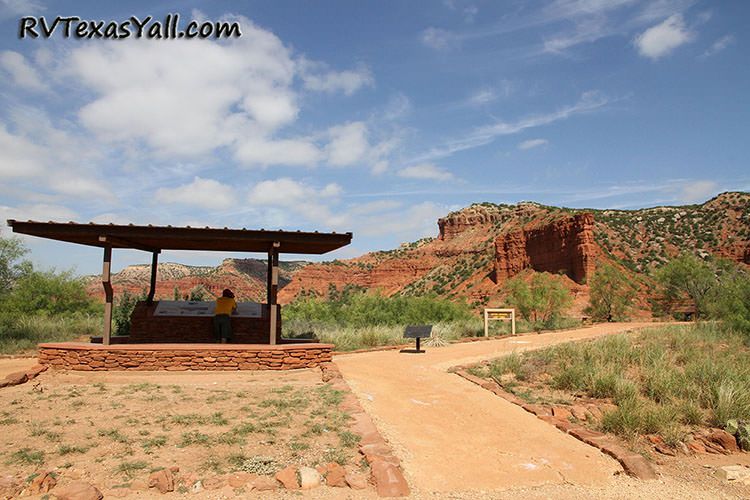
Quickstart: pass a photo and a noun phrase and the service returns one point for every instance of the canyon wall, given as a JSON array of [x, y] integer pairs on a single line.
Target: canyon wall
[[562, 246]]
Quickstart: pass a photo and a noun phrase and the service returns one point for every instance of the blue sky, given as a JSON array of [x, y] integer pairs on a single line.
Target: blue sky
[[370, 117]]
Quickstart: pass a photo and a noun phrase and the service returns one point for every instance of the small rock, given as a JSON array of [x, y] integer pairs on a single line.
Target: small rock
[[239, 479], [16, 378], [355, 480], [561, 413], [42, 483], [288, 477], [174, 469], [78, 490], [213, 483], [265, 483], [139, 485], [733, 472], [162, 480], [72, 474], [197, 487], [309, 478], [723, 439], [389, 481], [335, 475], [665, 450], [655, 439], [696, 446]]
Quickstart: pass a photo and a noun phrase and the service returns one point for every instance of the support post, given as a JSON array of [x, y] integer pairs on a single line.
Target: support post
[[154, 265], [108, 294], [273, 289]]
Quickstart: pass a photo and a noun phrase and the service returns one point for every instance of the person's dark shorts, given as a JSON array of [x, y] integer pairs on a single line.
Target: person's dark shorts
[[222, 327]]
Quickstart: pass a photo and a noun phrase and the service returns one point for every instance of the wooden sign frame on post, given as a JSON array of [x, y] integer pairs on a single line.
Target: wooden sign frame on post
[[502, 315]]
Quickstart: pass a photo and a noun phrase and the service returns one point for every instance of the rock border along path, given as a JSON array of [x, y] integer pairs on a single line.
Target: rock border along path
[[452, 436]]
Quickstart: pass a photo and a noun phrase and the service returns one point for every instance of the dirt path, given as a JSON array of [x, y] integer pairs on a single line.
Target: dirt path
[[453, 436], [11, 365]]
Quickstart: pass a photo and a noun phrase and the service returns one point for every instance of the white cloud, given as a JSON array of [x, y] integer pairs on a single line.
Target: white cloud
[[410, 223], [698, 191], [589, 101], [425, 171], [348, 144], [437, 38], [719, 45], [286, 192], [38, 212], [19, 157], [15, 8], [22, 74], [203, 193], [660, 40], [294, 152], [482, 96], [532, 143], [317, 77]]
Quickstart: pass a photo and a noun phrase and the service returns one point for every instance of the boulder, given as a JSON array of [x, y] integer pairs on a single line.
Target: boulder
[[579, 412], [309, 478], [288, 477], [78, 490], [162, 480], [197, 487]]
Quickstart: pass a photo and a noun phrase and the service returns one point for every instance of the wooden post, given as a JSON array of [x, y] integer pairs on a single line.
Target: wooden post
[[486, 323], [154, 265], [108, 295], [273, 289]]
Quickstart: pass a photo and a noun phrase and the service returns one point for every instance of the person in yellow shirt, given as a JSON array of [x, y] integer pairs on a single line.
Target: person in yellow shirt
[[225, 306]]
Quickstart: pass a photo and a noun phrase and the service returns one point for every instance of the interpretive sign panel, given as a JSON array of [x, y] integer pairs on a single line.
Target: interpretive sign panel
[[418, 332], [201, 309], [502, 315]]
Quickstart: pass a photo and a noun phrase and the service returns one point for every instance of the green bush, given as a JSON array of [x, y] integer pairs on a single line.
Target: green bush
[[542, 301], [611, 294]]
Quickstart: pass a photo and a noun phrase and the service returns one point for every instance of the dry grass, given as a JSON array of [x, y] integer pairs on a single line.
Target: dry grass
[[117, 427]]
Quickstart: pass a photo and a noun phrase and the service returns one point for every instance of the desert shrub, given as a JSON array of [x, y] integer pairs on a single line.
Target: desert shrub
[[122, 311], [731, 301], [611, 294], [542, 301]]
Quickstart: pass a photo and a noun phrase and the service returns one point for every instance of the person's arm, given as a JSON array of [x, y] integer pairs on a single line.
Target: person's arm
[[234, 306]]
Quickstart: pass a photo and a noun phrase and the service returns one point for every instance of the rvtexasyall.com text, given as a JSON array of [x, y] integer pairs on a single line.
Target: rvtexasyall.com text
[[169, 28]]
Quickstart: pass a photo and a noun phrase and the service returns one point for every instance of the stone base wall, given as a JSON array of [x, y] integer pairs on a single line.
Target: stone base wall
[[93, 357]]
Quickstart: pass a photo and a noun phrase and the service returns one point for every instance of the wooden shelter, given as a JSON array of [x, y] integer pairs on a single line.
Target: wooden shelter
[[154, 239]]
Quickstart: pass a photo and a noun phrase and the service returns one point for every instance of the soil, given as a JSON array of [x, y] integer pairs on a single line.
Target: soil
[[112, 429], [457, 440]]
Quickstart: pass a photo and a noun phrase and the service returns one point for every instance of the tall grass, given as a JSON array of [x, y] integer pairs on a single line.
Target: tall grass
[[21, 334], [662, 380]]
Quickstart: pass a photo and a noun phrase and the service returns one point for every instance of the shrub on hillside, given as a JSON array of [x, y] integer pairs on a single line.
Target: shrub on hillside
[[611, 294], [542, 301]]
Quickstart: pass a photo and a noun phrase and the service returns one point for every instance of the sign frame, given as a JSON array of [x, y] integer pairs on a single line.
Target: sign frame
[[487, 318]]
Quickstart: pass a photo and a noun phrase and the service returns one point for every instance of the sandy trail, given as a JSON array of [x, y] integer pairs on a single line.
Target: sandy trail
[[454, 436]]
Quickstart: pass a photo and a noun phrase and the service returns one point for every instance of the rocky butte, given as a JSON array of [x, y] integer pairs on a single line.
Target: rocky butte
[[479, 247]]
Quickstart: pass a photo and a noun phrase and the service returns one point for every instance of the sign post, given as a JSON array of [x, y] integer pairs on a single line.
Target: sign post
[[491, 314]]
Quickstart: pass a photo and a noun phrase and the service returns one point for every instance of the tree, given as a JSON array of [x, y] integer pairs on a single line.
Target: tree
[[611, 294], [730, 300], [542, 301], [687, 278], [11, 266], [50, 293]]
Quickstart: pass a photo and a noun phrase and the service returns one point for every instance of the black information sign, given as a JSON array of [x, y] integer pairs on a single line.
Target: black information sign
[[418, 332]]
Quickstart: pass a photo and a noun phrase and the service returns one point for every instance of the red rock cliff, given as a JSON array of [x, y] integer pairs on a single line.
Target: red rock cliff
[[564, 245]]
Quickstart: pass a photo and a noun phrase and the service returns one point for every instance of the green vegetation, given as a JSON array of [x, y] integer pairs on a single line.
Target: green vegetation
[[352, 319], [664, 380], [715, 288], [40, 306], [542, 301], [611, 294]]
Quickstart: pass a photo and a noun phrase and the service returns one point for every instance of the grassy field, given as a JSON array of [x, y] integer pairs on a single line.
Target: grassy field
[[27, 331], [664, 381], [119, 428]]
